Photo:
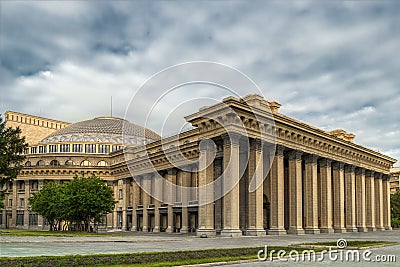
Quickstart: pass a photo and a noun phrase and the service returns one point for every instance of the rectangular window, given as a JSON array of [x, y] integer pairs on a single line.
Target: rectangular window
[[77, 148], [33, 219], [64, 148], [10, 202], [90, 148], [20, 217], [104, 149], [22, 202], [53, 148], [33, 150], [42, 149], [120, 193], [34, 185]]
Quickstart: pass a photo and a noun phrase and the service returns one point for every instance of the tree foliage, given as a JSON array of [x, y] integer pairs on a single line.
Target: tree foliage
[[395, 208], [12, 145], [80, 201]]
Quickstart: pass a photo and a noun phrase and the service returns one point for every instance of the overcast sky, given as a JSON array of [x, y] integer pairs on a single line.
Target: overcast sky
[[332, 64]]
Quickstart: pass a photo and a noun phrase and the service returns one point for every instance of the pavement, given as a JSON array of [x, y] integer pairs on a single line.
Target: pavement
[[19, 246]]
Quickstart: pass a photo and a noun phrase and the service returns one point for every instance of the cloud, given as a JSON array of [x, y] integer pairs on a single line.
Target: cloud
[[333, 65]]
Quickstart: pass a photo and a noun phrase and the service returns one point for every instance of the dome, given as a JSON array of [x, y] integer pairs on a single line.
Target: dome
[[103, 130]]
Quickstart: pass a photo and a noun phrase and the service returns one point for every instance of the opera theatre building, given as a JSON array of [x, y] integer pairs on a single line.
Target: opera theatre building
[[242, 169]]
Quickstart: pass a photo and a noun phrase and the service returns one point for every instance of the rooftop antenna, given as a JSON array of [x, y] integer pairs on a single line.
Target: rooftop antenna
[[111, 107]]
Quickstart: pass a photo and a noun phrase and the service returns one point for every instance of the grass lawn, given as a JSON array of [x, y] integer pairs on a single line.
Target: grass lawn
[[12, 232]]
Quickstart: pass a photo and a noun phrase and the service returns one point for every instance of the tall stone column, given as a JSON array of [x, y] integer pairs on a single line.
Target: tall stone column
[[378, 202], [350, 195], [124, 206], [311, 195], [171, 194], [295, 196], [277, 182], [26, 202], [135, 202], [231, 185], [158, 187], [360, 200], [386, 203], [206, 189], [338, 197], [255, 181], [185, 200], [146, 183], [370, 200], [326, 196], [40, 218]]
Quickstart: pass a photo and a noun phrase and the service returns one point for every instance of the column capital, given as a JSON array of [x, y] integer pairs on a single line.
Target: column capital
[[338, 165], [279, 150], [360, 171], [324, 162], [369, 174], [231, 138], [378, 175], [171, 171], [255, 144], [349, 168], [295, 155], [311, 159], [386, 177], [207, 145]]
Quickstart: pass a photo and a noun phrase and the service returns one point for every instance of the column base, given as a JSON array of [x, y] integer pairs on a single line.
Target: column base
[[295, 231], [312, 230], [133, 229], [231, 232], [351, 229], [156, 229], [184, 230], [362, 229], [276, 231], [256, 232], [388, 228], [371, 229], [145, 229], [169, 230], [380, 228], [207, 232], [326, 230], [339, 230]]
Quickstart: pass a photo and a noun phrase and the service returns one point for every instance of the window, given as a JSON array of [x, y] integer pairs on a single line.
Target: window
[[86, 163], [40, 163], [120, 193], [42, 149], [69, 163], [28, 164], [21, 186], [77, 148], [104, 149], [20, 217], [34, 185], [102, 163], [54, 163], [53, 148], [64, 148], [33, 150], [22, 202], [33, 219], [90, 148], [10, 187], [10, 202]]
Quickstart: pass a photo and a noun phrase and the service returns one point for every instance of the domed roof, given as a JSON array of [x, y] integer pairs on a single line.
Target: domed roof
[[103, 130]]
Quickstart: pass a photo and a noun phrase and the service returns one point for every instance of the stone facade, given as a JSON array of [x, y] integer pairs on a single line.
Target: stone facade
[[309, 180], [394, 180]]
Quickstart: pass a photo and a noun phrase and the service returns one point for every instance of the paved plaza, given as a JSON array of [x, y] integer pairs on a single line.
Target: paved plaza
[[17, 246]]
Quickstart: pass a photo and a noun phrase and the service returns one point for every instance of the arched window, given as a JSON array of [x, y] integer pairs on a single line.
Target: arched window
[[28, 164], [86, 163], [69, 163], [40, 163], [102, 163], [54, 163]]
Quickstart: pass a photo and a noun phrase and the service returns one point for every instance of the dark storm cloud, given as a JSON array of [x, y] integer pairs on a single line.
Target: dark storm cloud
[[333, 64]]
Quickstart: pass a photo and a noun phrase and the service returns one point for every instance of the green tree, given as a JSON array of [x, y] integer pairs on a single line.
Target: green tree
[[395, 208], [80, 201], [12, 145]]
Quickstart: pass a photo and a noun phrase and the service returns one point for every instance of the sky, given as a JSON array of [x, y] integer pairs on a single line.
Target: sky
[[332, 64]]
